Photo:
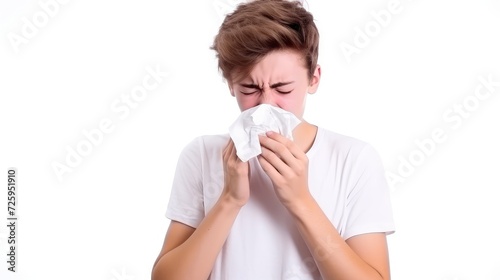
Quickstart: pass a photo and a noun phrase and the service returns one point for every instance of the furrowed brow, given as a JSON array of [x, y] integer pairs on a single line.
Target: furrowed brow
[[280, 84], [250, 86], [272, 86]]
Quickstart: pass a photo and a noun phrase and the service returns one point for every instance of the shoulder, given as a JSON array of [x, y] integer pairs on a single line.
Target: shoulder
[[345, 152], [205, 144], [213, 142], [338, 143], [338, 138]]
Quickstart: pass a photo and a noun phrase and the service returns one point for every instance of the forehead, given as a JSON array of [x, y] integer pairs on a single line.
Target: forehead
[[280, 64]]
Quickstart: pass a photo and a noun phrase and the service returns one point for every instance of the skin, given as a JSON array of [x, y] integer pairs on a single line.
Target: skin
[[280, 79]]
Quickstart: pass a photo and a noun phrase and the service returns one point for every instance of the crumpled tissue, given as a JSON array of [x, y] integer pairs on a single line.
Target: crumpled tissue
[[258, 120]]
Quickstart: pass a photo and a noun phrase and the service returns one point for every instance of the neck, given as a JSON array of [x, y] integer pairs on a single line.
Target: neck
[[304, 135]]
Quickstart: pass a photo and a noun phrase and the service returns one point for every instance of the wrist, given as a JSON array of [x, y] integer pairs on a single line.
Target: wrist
[[227, 200], [301, 206]]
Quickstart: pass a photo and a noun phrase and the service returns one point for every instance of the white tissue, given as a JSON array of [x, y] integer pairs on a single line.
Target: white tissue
[[258, 120]]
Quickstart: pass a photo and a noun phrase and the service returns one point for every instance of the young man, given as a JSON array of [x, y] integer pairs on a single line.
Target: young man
[[316, 207]]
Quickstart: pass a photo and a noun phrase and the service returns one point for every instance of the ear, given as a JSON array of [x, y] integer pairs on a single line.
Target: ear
[[230, 89], [314, 82]]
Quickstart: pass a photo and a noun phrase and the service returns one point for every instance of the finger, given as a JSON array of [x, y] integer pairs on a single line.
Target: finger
[[276, 162], [226, 149], [270, 170], [230, 151], [234, 157], [279, 149], [289, 144]]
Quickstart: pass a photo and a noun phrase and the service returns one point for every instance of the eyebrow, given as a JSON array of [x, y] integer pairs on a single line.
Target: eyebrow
[[272, 86]]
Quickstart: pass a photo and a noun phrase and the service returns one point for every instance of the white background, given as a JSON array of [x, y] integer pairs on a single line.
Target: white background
[[105, 218]]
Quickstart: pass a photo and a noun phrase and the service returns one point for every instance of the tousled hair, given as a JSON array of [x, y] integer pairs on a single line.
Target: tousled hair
[[259, 27]]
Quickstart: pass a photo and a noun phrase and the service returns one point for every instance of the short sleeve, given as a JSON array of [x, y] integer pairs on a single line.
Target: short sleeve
[[186, 198], [368, 201]]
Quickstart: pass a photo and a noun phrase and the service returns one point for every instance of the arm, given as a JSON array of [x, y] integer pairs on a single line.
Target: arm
[[360, 257], [190, 253]]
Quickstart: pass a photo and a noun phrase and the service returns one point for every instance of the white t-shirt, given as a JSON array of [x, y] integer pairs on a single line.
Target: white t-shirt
[[346, 178]]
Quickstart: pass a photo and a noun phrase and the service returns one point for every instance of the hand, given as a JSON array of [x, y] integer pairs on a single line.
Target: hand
[[236, 176], [287, 166]]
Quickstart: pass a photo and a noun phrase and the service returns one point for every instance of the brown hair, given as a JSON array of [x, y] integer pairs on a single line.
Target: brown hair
[[259, 27]]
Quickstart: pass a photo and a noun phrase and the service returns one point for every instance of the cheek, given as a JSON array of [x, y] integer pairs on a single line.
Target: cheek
[[293, 105], [246, 102], [286, 103]]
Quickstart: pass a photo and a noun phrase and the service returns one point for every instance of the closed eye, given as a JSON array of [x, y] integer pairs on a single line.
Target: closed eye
[[248, 93], [284, 92]]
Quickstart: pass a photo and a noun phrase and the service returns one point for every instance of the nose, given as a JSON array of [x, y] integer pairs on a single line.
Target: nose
[[267, 97]]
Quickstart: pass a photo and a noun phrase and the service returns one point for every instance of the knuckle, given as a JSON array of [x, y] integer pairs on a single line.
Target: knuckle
[[281, 149], [301, 170]]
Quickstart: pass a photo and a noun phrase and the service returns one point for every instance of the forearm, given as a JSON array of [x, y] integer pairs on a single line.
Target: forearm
[[333, 256], [194, 259]]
